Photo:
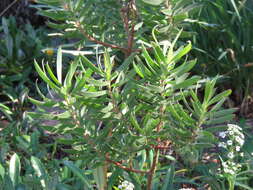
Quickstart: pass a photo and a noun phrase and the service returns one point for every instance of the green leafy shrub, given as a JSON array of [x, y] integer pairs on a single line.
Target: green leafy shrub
[[226, 42], [117, 115], [119, 25], [18, 48]]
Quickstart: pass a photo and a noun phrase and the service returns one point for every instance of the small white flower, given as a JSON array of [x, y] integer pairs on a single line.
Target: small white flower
[[231, 172], [224, 164], [237, 148], [239, 140], [222, 134], [231, 133], [226, 170], [126, 185], [231, 155], [242, 135], [222, 144], [229, 142], [241, 154], [233, 126]]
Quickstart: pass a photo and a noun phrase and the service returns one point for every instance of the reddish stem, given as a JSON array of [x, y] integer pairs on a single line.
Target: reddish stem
[[126, 168]]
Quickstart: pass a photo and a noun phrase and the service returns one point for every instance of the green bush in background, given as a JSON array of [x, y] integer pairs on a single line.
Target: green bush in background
[[226, 42], [19, 46], [123, 110]]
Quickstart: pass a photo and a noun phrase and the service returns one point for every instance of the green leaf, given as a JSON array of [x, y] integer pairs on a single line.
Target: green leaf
[[153, 2], [170, 52], [220, 120], [187, 83], [148, 59], [219, 97], [209, 91], [243, 186], [14, 169], [8, 183], [185, 67], [160, 57], [70, 74], [6, 110], [138, 70], [59, 65], [40, 103], [135, 123], [222, 112], [51, 74], [44, 77], [2, 171], [108, 65], [91, 65], [78, 172], [181, 52], [168, 182], [114, 177], [93, 94], [40, 171], [100, 177]]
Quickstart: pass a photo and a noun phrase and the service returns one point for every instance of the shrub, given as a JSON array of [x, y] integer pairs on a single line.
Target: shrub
[[122, 116]]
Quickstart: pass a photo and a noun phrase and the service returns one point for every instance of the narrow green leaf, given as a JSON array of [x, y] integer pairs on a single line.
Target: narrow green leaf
[[148, 58], [181, 52], [2, 171], [187, 83], [108, 65], [222, 112], [135, 123], [6, 110], [114, 177], [153, 2], [100, 177], [138, 70], [59, 65], [168, 182], [185, 67], [14, 169], [170, 52], [78, 172], [70, 74], [36, 102], [209, 91], [220, 120], [246, 187], [93, 94], [51, 74], [8, 183], [40, 171], [91, 65], [219, 97], [44, 77], [160, 57]]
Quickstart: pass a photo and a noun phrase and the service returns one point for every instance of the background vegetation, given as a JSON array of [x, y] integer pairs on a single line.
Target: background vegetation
[[149, 94]]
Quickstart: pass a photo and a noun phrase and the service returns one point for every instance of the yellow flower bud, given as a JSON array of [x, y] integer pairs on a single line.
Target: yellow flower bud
[[49, 52]]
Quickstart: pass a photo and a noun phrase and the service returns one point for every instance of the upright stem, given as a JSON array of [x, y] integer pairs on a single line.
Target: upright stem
[[152, 169], [156, 155], [231, 184]]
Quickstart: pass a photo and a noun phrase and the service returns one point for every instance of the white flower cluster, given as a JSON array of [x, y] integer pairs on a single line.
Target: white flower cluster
[[230, 167], [186, 189], [126, 185], [235, 137], [234, 140]]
